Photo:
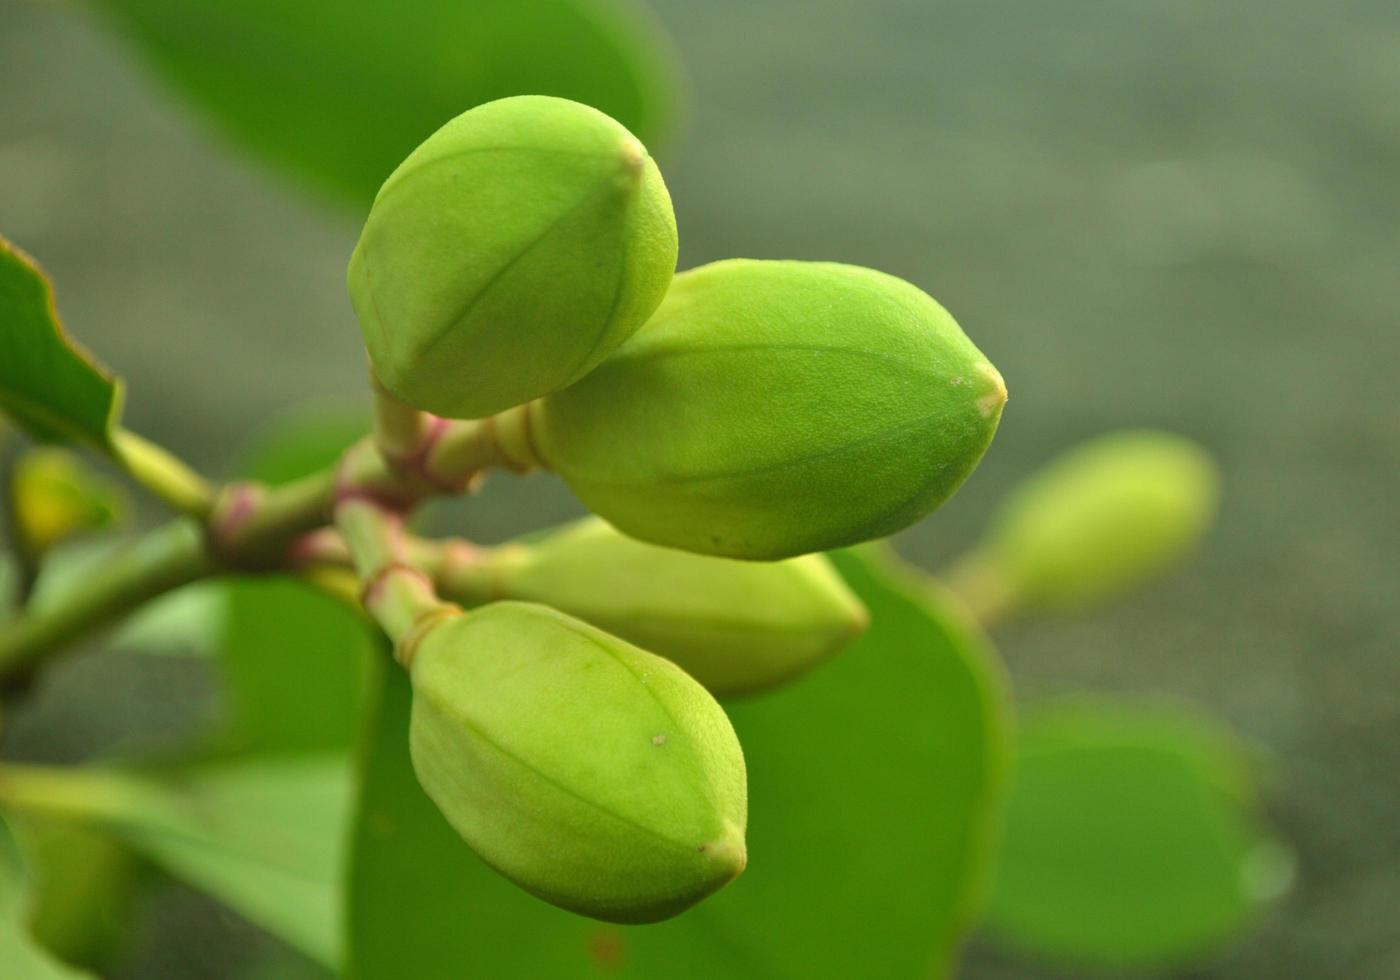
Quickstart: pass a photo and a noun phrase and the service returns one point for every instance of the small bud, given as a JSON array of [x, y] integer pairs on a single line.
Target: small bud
[[509, 254], [1100, 520], [772, 409], [55, 497], [735, 626], [591, 773]]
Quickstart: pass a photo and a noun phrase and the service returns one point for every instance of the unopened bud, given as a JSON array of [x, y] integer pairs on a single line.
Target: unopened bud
[[1100, 520], [509, 254], [735, 626], [593, 774], [772, 409]]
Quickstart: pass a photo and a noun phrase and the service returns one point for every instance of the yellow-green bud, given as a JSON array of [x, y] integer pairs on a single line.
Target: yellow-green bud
[[593, 774], [55, 496], [1100, 520], [509, 254], [772, 409], [735, 626]]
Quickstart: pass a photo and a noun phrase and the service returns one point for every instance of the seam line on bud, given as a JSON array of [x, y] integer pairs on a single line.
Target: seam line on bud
[[606, 322], [450, 326], [610, 654], [689, 478], [852, 352], [567, 790]]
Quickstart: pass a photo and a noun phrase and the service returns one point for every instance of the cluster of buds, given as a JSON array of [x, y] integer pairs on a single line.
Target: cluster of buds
[[725, 425]]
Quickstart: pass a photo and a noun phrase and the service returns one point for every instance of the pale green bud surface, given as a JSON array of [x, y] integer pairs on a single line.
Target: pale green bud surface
[[775, 408], [509, 254], [593, 774], [1101, 519], [735, 626]]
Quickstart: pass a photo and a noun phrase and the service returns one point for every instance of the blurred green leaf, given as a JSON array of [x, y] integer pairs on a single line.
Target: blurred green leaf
[[873, 786], [284, 964], [1130, 839], [49, 386], [338, 93], [85, 888], [266, 837], [186, 621], [21, 957], [293, 658]]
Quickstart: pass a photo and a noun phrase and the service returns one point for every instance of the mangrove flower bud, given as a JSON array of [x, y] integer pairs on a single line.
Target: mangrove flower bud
[[509, 254], [771, 409], [591, 773], [735, 626], [54, 496], [1097, 521]]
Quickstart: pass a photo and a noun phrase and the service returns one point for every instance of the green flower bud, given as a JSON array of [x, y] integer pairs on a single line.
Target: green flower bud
[[1100, 520], [509, 254], [54, 496], [591, 773], [735, 626], [772, 409]]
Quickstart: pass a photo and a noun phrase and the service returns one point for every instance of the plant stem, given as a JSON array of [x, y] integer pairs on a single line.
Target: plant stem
[[982, 588], [461, 451], [245, 528], [448, 454], [400, 431], [253, 526], [398, 595], [162, 473], [164, 559], [170, 556]]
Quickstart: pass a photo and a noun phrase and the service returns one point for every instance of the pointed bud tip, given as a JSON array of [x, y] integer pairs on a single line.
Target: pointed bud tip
[[859, 619], [728, 854], [633, 156], [992, 400]]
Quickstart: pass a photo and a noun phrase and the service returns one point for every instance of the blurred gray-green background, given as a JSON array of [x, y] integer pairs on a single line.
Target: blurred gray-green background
[[1177, 214]]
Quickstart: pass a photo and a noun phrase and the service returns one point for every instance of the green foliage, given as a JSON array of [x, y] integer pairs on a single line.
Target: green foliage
[[771, 409], [593, 774], [338, 93], [1130, 838], [294, 660], [509, 254], [49, 386], [84, 895], [264, 836], [874, 784], [21, 958], [736, 627], [767, 410]]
